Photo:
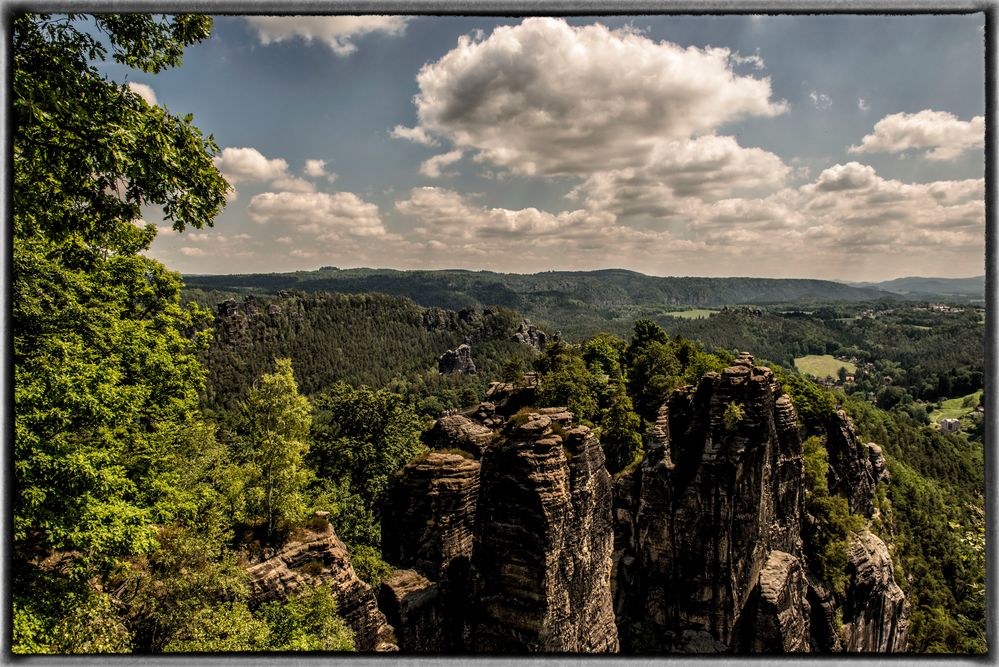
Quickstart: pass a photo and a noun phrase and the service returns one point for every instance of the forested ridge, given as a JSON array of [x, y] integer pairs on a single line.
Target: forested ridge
[[164, 444]]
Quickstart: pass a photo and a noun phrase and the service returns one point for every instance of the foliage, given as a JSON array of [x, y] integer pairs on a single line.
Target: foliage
[[620, 431], [105, 373], [733, 416], [307, 622], [363, 435], [279, 419], [369, 566], [569, 383], [829, 522]]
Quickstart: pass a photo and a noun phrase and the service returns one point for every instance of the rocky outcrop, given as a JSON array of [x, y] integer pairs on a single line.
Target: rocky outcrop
[[850, 470], [315, 559], [458, 360], [415, 607], [543, 544], [507, 398], [776, 618], [717, 494], [875, 611], [430, 511], [533, 548], [460, 432], [879, 467], [528, 334]]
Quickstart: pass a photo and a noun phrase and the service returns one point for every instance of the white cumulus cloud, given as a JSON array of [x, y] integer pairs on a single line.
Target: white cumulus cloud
[[706, 168], [543, 97], [337, 32], [940, 131], [145, 92], [337, 214], [249, 164], [317, 169]]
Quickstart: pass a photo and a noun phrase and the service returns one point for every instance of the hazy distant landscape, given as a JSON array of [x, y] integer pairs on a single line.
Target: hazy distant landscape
[[522, 437]]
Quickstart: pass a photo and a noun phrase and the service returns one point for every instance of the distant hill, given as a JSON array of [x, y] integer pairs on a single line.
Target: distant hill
[[610, 287], [914, 285], [574, 301]]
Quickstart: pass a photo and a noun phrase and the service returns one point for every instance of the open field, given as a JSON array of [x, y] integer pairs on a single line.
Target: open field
[[821, 365], [953, 408], [693, 314]]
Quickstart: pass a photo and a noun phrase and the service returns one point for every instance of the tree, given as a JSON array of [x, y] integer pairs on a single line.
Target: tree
[[104, 356], [279, 423], [620, 431], [362, 436]]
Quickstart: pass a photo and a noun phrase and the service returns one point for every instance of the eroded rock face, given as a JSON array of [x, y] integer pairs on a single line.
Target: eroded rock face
[[850, 474], [543, 543], [702, 515], [875, 612], [776, 620], [459, 432], [458, 360], [430, 510], [528, 334], [321, 558], [415, 607]]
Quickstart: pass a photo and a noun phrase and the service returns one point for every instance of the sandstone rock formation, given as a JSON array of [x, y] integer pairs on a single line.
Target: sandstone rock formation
[[705, 511], [875, 611], [514, 555], [850, 470], [776, 618], [528, 334], [461, 432], [415, 607], [533, 547], [543, 543], [321, 558], [430, 511], [458, 360]]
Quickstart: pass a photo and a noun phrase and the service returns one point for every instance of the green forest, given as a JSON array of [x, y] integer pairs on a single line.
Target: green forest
[[166, 436]]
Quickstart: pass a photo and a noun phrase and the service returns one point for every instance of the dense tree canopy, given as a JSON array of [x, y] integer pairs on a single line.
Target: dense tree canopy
[[104, 356]]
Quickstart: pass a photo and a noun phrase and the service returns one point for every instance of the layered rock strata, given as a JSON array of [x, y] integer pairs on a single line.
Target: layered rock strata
[[875, 610], [543, 544], [321, 558], [719, 491], [460, 432], [851, 473], [429, 518], [415, 607]]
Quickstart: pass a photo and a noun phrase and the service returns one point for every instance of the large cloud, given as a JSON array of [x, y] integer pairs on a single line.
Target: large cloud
[[852, 210], [320, 213], [336, 32], [942, 132], [707, 168], [448, 214], [249, 164], [547, 98]]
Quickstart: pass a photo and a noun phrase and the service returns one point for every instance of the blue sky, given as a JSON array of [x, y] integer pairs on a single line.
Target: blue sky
[[845, 147]]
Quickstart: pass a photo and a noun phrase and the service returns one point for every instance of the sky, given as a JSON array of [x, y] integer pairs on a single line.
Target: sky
[[835, 147]]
